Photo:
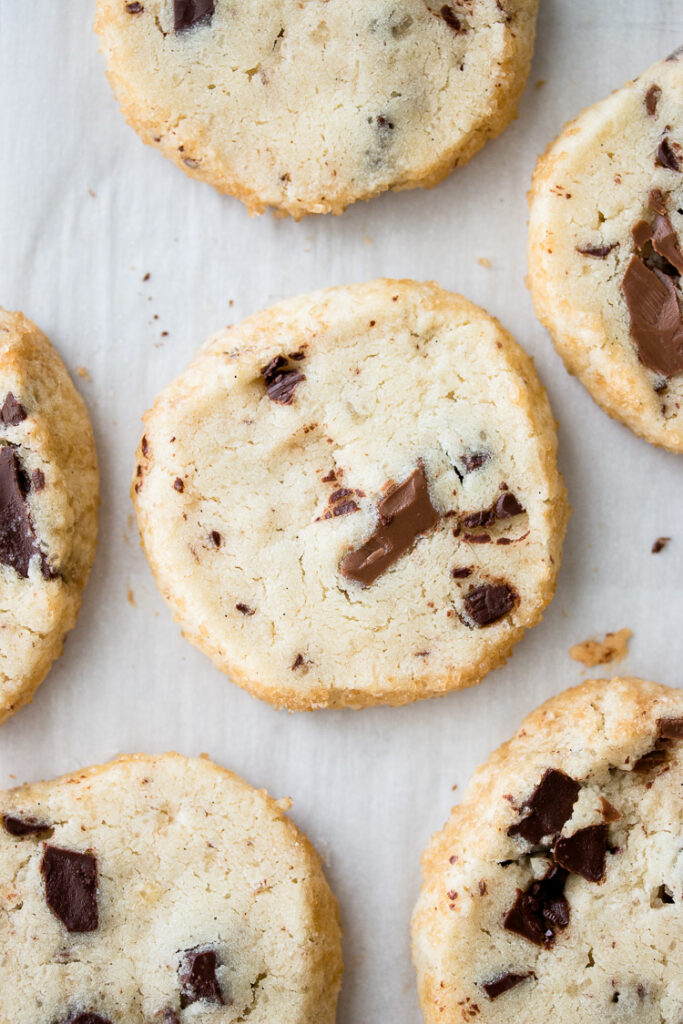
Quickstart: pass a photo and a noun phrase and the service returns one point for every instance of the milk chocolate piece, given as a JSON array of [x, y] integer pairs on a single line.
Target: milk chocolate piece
[[404, 515], [656, 317], [667, 156], [191, 12], [583, 853], [71, 887], [549, 807], [597, 252], [197, 976]]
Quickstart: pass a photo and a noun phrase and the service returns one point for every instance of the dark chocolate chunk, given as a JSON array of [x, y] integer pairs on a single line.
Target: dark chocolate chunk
[[484, 517], [216, 538], [12, 413], [191, 12], [596, 252], [281, 380], [451, 19], [656, 317], [549, 807], [24, 826], [476, 538], [18, 543], [461, 574], [136, 8], [178, 485], [584, 852], [488, 603], [652, 99], [197, 976], [38, 479], [298, 662], [404, 515], [660, 544], [670, 728], [540, 911], [653, 759], [667, 155], [474, 460], [664, 895], [507, 506], [71, 887], [503, 983], [244, 608]]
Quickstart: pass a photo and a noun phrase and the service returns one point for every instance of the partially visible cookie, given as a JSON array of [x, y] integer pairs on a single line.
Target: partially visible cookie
[[48, 507], [555, 891], [307, 107], [161, 889], [606, 251], [352, 498]]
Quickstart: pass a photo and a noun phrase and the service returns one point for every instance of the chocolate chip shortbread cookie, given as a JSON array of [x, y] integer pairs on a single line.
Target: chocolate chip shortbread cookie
[[161, 889], [307, 107], [352, 498], [606, 251], [555, 890], [48, 507]]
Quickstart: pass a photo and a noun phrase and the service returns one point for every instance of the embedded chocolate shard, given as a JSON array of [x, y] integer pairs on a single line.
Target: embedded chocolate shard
[[656, 202], [503, 983], [19, 827], [653, 759], [656, 318], [584, 852], [665, 241], [609, 811], [549, 807], [596, 252], [18, 543], [12, 412], [188, 13], [484, 517], [452, 20], [508, 506], [71, 887], [197, 976], [670, 728], [488, 603], [641, 234], [667, 155], [474, 460], [405, 514], [281, 380], [541, 910], [652, 99]]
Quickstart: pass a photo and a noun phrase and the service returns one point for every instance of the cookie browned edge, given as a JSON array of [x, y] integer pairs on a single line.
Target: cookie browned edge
[[537, 744], [145, 120], [23, 345], [535, 402]]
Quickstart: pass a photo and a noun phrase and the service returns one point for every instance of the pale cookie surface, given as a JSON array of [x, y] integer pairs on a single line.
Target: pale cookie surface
[[352, 498], [307, 107], [48, 507], [555, 891], [161, 890], [606, 251]]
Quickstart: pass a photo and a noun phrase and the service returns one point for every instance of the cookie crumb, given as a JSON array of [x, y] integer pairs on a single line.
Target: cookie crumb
[[660, 544], [595, 652], [540, 83], [82, 372], [131, 596], [484, 262]]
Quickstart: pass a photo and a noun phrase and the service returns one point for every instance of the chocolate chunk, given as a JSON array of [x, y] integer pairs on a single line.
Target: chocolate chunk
[[281, 380], [664, 895], [24, 826], [670, 728], [485, 517], [537, 913], [653, 759], [475, 460], [197, 976], [584, 852], [404, 515], [461, 574], [191, 12], [609, 812], [18, 543], [667, 155], [87, 1018], [549, 807], [244, 608], [503, 983], [507, 506], [652, 99], [660, 544], [489, 602], [12, 413], [642, 234], [476, 538], [596, 252], [656, 318], [216, 538], [665, 242], [298, 662], [178, 485], [71, 887], [38, 479], [137, 8], [451, 19]]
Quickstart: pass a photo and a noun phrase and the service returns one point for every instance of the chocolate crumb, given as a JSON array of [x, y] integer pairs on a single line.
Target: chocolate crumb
[[178, 485], [452, 20], [461, 574], [660, 544], [216, 538], [245, 609], [136, 8], [652, 99], [298, 662]]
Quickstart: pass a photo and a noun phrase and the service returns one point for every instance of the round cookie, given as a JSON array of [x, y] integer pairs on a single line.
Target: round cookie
[[48, 507], [555, 890], [161, 889], [307, 107], [606, 251], [352, 498]]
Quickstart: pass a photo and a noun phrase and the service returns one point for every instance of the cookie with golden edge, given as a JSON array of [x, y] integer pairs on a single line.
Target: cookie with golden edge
[[352, 498], [555, 890], [48, 507]]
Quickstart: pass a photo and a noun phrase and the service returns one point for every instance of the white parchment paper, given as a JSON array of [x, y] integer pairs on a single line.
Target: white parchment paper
[[85, 212]]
